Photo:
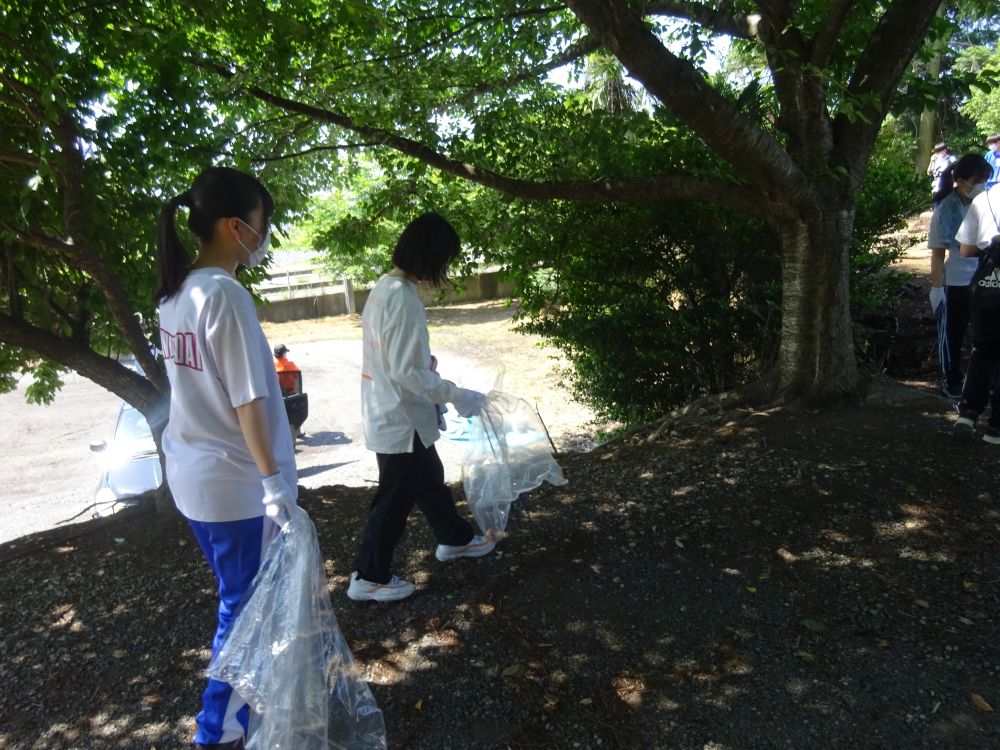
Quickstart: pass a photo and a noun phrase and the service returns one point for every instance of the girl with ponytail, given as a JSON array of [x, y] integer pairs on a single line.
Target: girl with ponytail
[[950, 297], [230, 463]]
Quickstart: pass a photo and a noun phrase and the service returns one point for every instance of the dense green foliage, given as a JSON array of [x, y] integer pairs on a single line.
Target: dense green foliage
[[955, 44], [983, 105], [652, 304], [108, 109]]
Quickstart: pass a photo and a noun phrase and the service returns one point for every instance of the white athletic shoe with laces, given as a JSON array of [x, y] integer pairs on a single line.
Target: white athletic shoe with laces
[[479, 546], [361, 590]]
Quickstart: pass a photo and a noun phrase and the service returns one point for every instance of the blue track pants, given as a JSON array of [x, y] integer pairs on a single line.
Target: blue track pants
[[233, 550]]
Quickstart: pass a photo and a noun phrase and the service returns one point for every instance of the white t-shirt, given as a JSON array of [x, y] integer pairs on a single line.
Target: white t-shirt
[[217, 359], [398, 388], [947, 218], [982, 222]]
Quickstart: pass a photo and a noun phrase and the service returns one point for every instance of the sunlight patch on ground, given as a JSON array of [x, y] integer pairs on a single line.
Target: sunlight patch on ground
[[831, 535], [629, 689], [58, 735], [102, 725], [64, 617], [896, 529], [787, 556], [908, 553], [827, 559], [383, 672]]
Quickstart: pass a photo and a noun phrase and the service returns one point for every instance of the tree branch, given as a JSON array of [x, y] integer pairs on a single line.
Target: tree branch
[[10, 279], [527, 13], [27, 54], [799, 89], [574, 52], [740, 25], [78, 356], [16, 157], [16, 103], [313, 150], [885, 58], [669, 187], [683, 90], [823, 42], [119, 305]]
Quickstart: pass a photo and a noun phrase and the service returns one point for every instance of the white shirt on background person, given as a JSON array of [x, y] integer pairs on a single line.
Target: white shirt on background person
[[982, 222], [398, 388]]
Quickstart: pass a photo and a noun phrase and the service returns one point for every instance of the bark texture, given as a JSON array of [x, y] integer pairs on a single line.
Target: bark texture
[[816, 358]]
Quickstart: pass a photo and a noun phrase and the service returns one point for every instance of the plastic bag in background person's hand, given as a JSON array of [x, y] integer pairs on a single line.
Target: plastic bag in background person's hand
[[509, 453], [286, 656]]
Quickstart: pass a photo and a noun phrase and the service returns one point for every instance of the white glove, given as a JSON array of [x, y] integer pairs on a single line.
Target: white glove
[[468, 403], [937, 297], [279, 498]]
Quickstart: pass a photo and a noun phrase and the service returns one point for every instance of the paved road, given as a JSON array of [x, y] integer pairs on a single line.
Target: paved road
[[48, 476]]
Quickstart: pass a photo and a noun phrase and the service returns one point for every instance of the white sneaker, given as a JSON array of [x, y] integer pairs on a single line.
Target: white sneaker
[[361, 590], [479, 546]]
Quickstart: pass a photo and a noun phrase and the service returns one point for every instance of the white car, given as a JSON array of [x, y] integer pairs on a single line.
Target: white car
[[131, 464]]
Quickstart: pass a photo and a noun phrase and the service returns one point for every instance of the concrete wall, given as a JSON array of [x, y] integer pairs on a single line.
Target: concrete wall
[[481, 287]]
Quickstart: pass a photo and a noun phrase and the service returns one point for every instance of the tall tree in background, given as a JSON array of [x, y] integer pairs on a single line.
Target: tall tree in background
[[115, 105], [435, 83]]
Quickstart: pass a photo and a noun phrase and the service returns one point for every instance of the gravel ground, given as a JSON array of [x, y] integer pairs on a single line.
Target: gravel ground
[[765, 580]]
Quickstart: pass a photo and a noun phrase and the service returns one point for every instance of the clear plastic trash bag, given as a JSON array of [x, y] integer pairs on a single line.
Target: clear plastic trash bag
[[286, 656], [509, 453]]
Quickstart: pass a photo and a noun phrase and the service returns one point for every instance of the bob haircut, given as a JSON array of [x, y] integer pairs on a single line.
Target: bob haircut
[[426, 248]]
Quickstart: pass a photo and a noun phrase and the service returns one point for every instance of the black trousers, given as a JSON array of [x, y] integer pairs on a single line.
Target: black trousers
[[981, 375], [953, 322], [405, 479]]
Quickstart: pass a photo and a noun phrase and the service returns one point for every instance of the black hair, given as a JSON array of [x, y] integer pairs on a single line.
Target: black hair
[[216, 193], [426, 248], [969, 166]]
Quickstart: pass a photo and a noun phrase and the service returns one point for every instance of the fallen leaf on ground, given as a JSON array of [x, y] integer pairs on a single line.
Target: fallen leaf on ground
[[806, 657], [981, 704]]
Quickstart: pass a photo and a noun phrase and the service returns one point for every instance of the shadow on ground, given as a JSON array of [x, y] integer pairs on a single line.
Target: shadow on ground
[[787, 580]]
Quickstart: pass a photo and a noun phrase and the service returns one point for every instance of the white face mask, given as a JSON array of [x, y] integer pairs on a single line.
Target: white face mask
[[976, 189], [256, 257]]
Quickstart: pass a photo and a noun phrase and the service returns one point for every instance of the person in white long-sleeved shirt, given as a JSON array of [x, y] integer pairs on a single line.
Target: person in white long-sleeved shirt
[[399, 393]]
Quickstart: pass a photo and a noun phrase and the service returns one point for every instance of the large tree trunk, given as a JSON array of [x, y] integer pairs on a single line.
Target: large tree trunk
[[816, 358]]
